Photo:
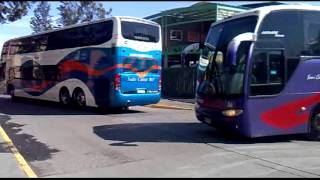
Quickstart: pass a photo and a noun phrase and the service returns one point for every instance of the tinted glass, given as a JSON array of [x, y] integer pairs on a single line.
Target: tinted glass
[[267, 75], [284, 30], [140, 31], [259, 69], [286, 27], [93, 34], [226, 78], [31, 44], [311, 22]]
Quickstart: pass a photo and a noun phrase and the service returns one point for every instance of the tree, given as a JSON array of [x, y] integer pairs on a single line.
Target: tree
[[92, 11], [72, 12], [69, 13], [42, 21], [101, 11], [13, 10]]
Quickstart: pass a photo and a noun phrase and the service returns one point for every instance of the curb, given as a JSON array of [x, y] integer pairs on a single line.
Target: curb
[[21, 161], [165, 106]]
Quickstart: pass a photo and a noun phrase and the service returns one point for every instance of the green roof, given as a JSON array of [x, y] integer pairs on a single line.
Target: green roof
[[202, 11]]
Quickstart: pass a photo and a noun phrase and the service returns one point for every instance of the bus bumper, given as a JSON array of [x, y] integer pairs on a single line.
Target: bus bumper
[[119, 99], [215, 118]]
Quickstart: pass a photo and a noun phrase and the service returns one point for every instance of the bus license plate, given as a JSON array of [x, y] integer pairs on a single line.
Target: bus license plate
[[141, 91]]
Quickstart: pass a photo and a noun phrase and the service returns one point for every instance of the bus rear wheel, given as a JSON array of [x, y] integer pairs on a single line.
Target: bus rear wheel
[[79, 98], [11, 92], [64, 97], [314, 131]]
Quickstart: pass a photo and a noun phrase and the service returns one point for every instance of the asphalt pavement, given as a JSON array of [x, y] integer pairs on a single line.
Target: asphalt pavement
[[144, 142], [9, 167]]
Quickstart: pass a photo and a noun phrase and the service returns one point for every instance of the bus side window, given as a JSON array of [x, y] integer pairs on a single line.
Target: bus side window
[[259, 72], [267, 73], [311, 24]]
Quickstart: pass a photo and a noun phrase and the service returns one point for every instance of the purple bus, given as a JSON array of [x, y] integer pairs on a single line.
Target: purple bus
[[259, 73]]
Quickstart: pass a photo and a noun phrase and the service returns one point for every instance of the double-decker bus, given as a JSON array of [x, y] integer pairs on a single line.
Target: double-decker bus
[[114, 62], [259, 72]]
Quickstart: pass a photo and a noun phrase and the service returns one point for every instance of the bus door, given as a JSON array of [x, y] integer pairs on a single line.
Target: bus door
[[2, 77], [3, 60], [32, 78], [271, 110]]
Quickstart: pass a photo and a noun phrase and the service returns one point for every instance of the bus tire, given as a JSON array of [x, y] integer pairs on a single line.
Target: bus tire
[[314, 127], [10, 92], [64, 96], [79, 97]]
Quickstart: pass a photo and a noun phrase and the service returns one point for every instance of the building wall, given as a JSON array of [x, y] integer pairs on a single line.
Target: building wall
[[192, 32]]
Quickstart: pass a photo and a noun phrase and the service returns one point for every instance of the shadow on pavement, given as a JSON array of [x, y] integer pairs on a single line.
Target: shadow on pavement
[[23, 106], [4, 148], [129, 134], [30, 148]]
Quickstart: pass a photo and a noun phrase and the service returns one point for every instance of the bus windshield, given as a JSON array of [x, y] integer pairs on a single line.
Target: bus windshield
[[140, 31], [223, 78]]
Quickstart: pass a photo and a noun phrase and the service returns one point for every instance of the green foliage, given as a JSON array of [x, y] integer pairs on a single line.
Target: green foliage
[[42, 21], [13, 10], [74, 12], [69, 13]]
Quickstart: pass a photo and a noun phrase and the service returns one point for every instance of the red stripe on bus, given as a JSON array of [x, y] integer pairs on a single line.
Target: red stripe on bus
[[290, 115]]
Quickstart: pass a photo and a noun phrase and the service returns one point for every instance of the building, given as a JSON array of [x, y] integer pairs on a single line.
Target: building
[[184, 26], [257, 5]]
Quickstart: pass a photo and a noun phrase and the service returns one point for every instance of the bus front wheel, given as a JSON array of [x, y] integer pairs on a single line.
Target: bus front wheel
[[79, 98], [314, 131]]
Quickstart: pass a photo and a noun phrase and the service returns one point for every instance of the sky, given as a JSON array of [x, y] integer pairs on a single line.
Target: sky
[[139, 9]]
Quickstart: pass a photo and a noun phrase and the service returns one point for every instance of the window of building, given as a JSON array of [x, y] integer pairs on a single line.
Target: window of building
[[176, 35]]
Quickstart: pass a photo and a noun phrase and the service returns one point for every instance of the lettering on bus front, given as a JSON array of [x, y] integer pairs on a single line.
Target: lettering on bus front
[[134, 79]]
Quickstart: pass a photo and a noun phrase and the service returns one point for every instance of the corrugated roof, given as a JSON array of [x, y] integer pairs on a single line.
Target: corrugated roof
[[195, 12]]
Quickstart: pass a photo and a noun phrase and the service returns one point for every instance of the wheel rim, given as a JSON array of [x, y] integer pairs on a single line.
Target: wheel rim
[[64, 98], [11, 92], [316, 123], [81, 99]]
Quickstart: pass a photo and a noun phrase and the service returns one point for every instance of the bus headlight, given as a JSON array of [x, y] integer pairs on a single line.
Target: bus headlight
[[232, 112]]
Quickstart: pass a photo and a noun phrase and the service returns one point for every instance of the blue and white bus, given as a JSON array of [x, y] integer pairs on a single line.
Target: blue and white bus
[[114, 62]]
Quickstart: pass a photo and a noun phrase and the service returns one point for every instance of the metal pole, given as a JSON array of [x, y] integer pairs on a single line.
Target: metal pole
[[166, 43]]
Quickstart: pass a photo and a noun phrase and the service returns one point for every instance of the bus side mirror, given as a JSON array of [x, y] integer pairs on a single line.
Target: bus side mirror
[[234, 45], [187, 50], [201, 45]]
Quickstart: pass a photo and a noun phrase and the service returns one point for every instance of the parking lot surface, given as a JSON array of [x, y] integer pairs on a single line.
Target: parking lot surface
[[145, 142]]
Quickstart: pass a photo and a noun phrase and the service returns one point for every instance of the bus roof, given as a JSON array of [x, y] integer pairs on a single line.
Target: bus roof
[[87, 23], [267, 9]]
